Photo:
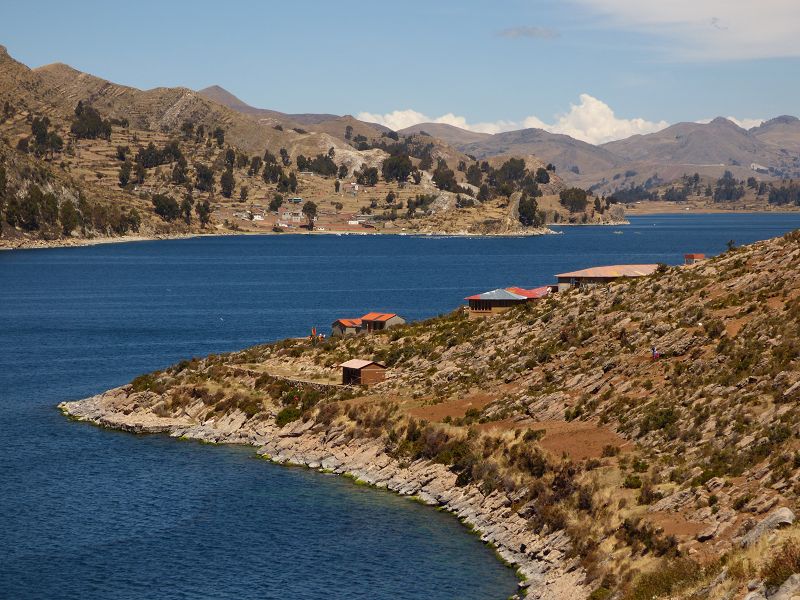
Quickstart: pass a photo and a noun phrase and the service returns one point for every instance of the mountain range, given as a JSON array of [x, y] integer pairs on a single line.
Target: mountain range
[[709, 148]]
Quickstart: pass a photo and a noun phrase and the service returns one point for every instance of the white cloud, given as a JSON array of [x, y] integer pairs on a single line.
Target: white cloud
[[711, 29], [400, 119], [591, 120]]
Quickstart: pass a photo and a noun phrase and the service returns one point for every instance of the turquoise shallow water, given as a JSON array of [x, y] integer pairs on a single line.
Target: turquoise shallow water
[[90, 513]]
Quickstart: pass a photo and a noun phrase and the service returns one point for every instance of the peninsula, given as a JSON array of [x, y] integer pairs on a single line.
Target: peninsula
[[631, 438]]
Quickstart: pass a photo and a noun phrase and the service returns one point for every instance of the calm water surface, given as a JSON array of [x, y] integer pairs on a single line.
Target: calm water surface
[[90, 513]]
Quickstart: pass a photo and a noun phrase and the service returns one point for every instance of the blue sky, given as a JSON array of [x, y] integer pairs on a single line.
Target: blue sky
[[597, 69]]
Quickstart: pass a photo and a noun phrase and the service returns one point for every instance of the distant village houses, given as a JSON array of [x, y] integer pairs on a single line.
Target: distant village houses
[[373, 321]]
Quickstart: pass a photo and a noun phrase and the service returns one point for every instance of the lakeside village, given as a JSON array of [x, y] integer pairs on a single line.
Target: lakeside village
[[362, 371]]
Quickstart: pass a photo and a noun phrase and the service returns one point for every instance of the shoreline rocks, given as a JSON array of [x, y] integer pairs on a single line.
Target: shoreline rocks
[[540, 559]]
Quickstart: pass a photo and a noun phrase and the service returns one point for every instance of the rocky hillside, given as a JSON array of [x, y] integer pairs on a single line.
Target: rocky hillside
[[192, 162], [595, 466]]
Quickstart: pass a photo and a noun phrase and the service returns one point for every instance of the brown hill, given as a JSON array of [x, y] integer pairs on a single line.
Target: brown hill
[[321, 123], [781, 132], [566, 153], [450, 134]]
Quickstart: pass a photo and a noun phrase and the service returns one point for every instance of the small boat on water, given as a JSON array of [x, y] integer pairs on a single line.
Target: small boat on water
[[617, 232]]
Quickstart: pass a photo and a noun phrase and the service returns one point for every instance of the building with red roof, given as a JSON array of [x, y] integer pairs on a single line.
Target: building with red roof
[[372, 321], [502, 299]]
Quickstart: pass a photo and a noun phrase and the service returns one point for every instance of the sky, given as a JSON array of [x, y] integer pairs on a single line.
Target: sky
[[595, 69]]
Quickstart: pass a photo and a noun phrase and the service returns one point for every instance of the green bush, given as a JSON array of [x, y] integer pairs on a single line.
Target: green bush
[[287, 415]]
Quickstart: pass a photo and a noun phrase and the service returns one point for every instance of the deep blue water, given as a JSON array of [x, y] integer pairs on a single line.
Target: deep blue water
[[90, 513]]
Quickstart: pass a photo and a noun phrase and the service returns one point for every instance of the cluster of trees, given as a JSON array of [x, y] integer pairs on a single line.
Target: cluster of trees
[[43, 141], [367, 175], [529, 213], [169, 210], [788, 193], [88, 124], [322, 164], [41, 211], [419, 203], [728, 189], [149, 157], [574, 199]]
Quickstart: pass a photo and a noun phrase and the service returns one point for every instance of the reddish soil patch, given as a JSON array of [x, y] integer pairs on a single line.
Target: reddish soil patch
[[775, 303], [675, 524], [579, 440], [453, 408], [734, 326]]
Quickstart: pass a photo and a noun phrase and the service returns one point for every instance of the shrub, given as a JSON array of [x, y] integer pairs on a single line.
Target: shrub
[[287, 415], [665, 580], [782, 565]]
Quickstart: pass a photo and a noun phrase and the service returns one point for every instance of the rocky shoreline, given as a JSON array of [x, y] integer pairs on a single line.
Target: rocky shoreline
[[541, 560]]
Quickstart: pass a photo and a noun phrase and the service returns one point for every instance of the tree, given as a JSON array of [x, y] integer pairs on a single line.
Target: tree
[[186, 208], [396, 168], [88, 124], [336, 185], [140, 173], [205, 178], [542, 176], [302, 162], [219, 135], [444, 178], [243, 193], [39, 127], [529, 212], [275, 203], [166, 207], [226, 183], [474, 175], [292, 182], [255, 165], [69, 217], [390, 198], [179, 176], [203, 210], [342, 172], [348, 132], [230, 158], [367, 175], [125, 173], [310, 211], [573, 199], [122, 152], [187, 129], [285, 157]]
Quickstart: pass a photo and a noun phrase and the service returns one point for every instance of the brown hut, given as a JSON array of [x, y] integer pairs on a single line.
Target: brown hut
[[362, 372]]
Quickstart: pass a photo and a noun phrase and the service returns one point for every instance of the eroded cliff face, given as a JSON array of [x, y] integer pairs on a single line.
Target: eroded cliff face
[[541, 560]]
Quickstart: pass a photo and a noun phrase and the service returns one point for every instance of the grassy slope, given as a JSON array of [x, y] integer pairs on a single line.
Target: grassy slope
[[560, 405]]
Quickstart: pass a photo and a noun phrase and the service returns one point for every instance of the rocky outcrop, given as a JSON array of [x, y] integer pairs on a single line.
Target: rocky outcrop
[[779, 518], [541, 559]]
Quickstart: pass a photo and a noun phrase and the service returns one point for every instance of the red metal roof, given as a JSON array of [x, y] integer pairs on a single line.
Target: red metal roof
[[349, 322], [532, 293], [695, 255], [512, 293], [376, 316]]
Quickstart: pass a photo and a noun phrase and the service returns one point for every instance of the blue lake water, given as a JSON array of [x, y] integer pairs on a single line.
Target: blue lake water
[[90, 513]]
